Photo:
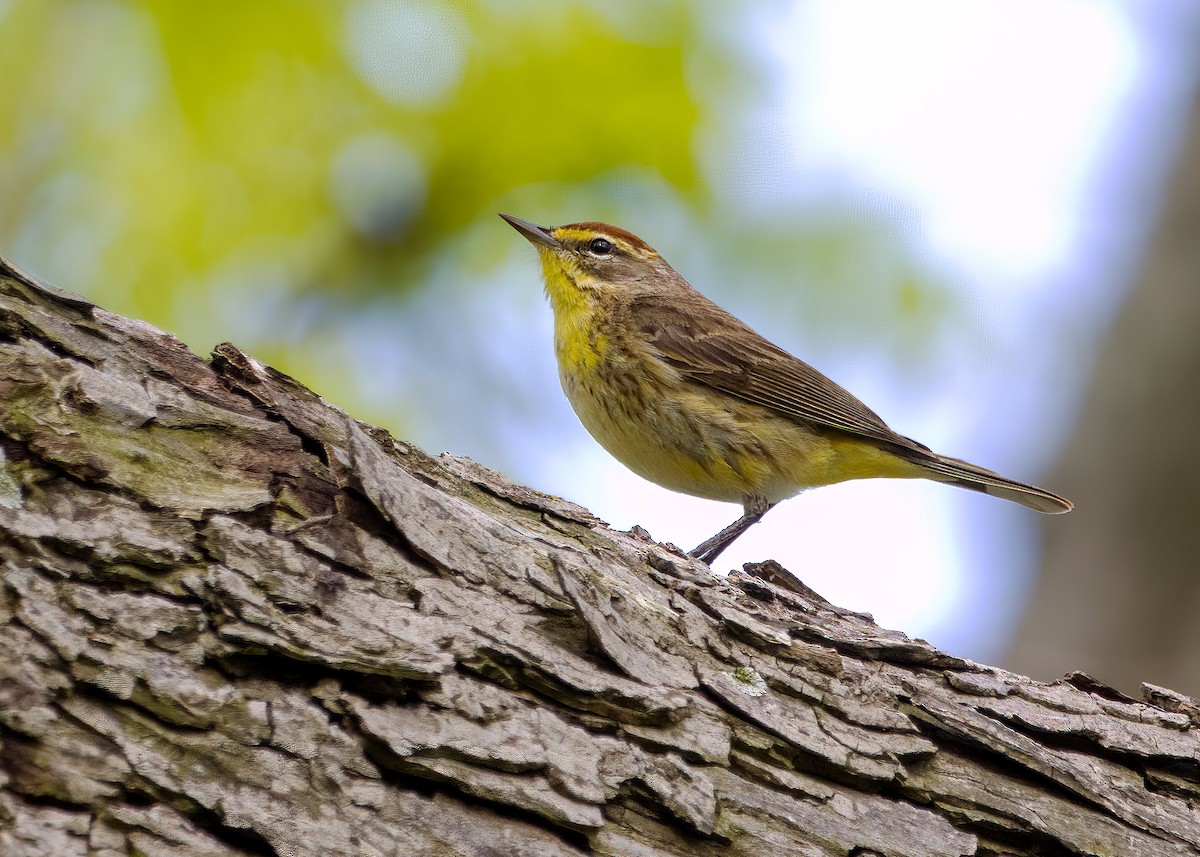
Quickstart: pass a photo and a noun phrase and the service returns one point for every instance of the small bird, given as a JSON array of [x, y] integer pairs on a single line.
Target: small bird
[[687, 396]]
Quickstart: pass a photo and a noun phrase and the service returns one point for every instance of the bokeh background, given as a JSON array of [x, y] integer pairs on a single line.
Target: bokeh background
[[980, 217]]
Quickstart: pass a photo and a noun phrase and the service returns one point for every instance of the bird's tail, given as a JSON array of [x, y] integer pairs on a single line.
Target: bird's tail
[[955, 472]]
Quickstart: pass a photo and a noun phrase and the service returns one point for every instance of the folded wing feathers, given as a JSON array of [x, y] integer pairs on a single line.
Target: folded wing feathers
[[736, 360]]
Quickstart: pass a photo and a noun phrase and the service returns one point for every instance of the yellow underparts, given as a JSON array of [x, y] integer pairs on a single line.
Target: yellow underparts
[[698, 441]]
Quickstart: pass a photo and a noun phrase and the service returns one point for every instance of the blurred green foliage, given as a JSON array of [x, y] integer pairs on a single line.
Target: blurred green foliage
[[203, 132]]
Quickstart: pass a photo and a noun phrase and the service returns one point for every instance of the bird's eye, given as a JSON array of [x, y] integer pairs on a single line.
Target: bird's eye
[[600, 247]]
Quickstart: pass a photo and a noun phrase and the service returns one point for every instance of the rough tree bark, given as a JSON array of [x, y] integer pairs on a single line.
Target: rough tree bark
[[236, 621]]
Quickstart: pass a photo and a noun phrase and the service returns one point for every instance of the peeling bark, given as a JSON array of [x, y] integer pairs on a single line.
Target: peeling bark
[[237, 621]]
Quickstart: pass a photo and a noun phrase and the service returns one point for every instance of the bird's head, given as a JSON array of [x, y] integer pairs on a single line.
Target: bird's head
[[591, 257]]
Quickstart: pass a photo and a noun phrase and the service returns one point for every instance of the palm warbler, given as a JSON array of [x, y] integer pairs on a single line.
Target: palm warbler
[[689, 397]]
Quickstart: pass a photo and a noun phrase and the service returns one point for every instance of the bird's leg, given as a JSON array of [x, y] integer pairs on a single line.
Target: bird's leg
[[753, 508]]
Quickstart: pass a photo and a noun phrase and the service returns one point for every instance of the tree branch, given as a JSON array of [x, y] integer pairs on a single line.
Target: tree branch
[[238, 621]]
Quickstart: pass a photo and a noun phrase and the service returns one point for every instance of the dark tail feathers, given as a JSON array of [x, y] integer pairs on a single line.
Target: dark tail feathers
[[960, 473]]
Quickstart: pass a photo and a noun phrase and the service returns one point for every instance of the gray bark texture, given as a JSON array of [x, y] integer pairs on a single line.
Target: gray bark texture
[[236, 621]]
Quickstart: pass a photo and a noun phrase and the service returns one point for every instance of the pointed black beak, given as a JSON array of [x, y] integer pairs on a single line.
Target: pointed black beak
[[534, 233]]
